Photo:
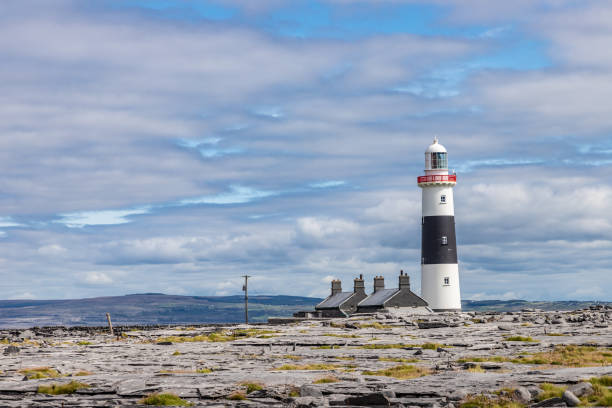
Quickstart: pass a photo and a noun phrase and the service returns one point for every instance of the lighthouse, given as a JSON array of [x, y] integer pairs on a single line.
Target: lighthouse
[[439, 269]]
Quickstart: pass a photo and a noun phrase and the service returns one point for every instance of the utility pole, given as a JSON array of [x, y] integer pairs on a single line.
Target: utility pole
[[245, 288]]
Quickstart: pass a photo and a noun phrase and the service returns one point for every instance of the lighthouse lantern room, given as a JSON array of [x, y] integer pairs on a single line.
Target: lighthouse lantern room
[[439, 268]]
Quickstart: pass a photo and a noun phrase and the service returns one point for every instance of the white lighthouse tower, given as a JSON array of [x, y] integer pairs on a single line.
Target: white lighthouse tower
[[439, 269]]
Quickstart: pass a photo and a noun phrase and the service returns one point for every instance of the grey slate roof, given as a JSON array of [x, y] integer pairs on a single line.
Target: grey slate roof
[[334, 301], [378, 298]]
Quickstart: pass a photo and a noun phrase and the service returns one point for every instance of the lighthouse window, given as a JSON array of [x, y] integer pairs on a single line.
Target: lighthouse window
[[439, 161], [443, 199], [447, 281], [444, 241]]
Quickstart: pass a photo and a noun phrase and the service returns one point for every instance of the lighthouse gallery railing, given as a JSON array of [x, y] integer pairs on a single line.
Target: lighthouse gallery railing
[[434, 178]]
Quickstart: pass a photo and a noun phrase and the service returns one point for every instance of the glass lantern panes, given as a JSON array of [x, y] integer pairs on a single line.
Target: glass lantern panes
[[439, 161]]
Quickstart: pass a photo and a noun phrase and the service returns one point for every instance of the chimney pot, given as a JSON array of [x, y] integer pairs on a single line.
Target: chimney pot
[[404, 281], [359, 284], [379, 283], [336, 286]]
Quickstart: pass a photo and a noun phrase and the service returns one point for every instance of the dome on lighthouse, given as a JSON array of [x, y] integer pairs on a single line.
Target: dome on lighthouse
[[435, 147], [436, 157]]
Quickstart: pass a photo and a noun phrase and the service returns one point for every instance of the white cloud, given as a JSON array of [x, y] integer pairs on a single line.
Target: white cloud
[[7, 222], [97, 278], [236, 195], [52, 250], [104, 217]]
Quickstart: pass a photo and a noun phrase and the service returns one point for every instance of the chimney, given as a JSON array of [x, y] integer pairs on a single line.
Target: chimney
[[379, 283], [336, 286], [404, 281], [359, 285]]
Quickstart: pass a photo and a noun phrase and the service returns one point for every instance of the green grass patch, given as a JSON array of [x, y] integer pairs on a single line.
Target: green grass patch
[[84, 343], [236, 396], [326, 380], [606, 381], [399, 360], [165, 399], [176, 353], [495, 359], [427, 346], [401, 372], [482, 401], [550, 391], [431, 346], [521, 338], [198, 371], [252, 386], [289, 367], [374, 325], [476, 369], [36, 373], [567, 356], [222, 336], [292, 357], [58, 389], [343, 336], [383, 346], [602, 395], [571, 356]]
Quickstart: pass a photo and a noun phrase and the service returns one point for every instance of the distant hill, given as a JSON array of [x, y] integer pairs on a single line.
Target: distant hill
[[148, 308], [516, 305], [157, 308]]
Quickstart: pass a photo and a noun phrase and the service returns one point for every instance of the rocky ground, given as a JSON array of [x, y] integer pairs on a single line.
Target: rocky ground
[[446, 360]]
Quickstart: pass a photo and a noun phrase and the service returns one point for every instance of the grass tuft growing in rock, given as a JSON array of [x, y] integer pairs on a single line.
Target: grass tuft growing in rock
[[374, 325], [399, 360], [326, 380], [602, 394], [289, 367], [58, 389], [343, 336], [401, 372], [521, 338], [550, 391], [482, 401], [36, 373], [383, 346], [606, 381], [496, 359], [236, 396], [165, 399], [431, 346], [476, 369], [292, 357], [252, 386], [568, 356], [84, 343], [227, 335], [572, 356]]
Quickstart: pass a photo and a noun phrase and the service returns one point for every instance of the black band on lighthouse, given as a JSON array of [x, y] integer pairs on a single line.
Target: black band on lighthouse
[[438, 243]]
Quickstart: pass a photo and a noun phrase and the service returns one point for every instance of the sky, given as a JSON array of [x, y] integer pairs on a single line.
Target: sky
[[175, 145]]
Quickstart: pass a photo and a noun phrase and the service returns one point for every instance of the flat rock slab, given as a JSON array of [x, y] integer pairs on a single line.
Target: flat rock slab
[[338, 362]]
